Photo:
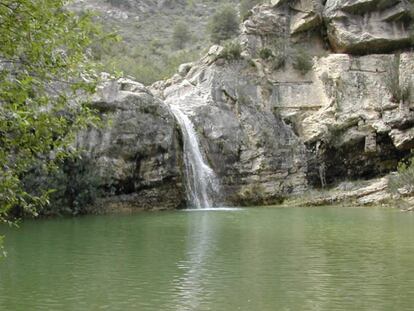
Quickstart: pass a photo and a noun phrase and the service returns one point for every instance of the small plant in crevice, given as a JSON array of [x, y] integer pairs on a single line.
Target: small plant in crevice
[[302, 61], [276, 60], [265, 53]]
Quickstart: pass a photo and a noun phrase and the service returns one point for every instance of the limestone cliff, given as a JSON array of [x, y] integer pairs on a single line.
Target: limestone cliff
[[310, 102], [138, 148]]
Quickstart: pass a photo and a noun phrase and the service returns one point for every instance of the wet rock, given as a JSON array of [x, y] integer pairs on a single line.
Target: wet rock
[[255, 154]]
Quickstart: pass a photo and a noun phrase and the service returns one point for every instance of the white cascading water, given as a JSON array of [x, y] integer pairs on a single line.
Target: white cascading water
[[201, 181]]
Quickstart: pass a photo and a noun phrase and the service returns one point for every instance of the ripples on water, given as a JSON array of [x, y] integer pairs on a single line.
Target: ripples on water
[[236, 259]]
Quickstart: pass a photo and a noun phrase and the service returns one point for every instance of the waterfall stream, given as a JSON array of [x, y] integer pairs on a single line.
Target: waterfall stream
[[201, 181]]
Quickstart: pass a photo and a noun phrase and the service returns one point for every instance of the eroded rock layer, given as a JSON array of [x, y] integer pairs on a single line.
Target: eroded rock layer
[[310, 102], [138, 149]]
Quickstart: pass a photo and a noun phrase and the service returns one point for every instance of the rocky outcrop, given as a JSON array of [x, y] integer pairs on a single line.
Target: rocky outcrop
[[284, 116], [354, 113], [138, 148], [356, 125], [360, 193], [274, 130], [368, 26], [255, 154]]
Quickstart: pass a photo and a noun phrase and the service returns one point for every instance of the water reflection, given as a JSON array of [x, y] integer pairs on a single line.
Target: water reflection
[[190, 287], [251, 259]]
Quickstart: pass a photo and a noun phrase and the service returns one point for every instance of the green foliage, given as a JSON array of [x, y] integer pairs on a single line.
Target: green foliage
[[181, 35], [404, 179], [44, 69], [246, 6], [265, 53], [231, 51], [277, 60], [74, 185], [224, 24], [146, 64], [302, 61], [134, 54]]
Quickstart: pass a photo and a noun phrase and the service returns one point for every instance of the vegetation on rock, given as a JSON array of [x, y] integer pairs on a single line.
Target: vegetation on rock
[[75, 185], [403, 181], [231, 51], [302, 61]]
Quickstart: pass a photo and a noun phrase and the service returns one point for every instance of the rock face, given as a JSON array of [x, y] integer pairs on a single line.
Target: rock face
[[254, 153], [357, 128], [138, 148], [285, 116], [368, 26], [274, 130]]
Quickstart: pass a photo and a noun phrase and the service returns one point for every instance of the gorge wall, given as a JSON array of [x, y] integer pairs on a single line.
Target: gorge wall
[[271, 124]]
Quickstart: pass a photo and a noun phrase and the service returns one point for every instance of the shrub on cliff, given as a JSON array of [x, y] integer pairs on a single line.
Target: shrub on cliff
[[224, 24], [265, 53], [403, 181], [302, 61], [231, 51]]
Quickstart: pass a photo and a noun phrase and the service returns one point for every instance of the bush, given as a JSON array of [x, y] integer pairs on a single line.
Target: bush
[[146, 63], [302, 61], [181, 35], [404, 179], [277, 60], [224, 24], [231, 51], [265, 53], [246, 6], [75, 183]]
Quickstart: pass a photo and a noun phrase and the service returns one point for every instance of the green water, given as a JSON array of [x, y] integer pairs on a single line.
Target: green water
[[250, 259]]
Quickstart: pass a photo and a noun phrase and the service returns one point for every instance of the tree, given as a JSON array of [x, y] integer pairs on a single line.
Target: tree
[[181, 35], [44, 73], [224, 24]]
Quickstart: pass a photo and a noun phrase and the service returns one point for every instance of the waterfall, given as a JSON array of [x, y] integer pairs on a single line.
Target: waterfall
[[201, 181]]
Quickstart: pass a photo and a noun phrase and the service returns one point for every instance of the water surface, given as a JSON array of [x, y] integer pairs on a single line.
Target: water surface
[[246, 259]]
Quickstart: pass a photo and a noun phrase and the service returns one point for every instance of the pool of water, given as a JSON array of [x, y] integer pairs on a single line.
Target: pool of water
[[236, 259]]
